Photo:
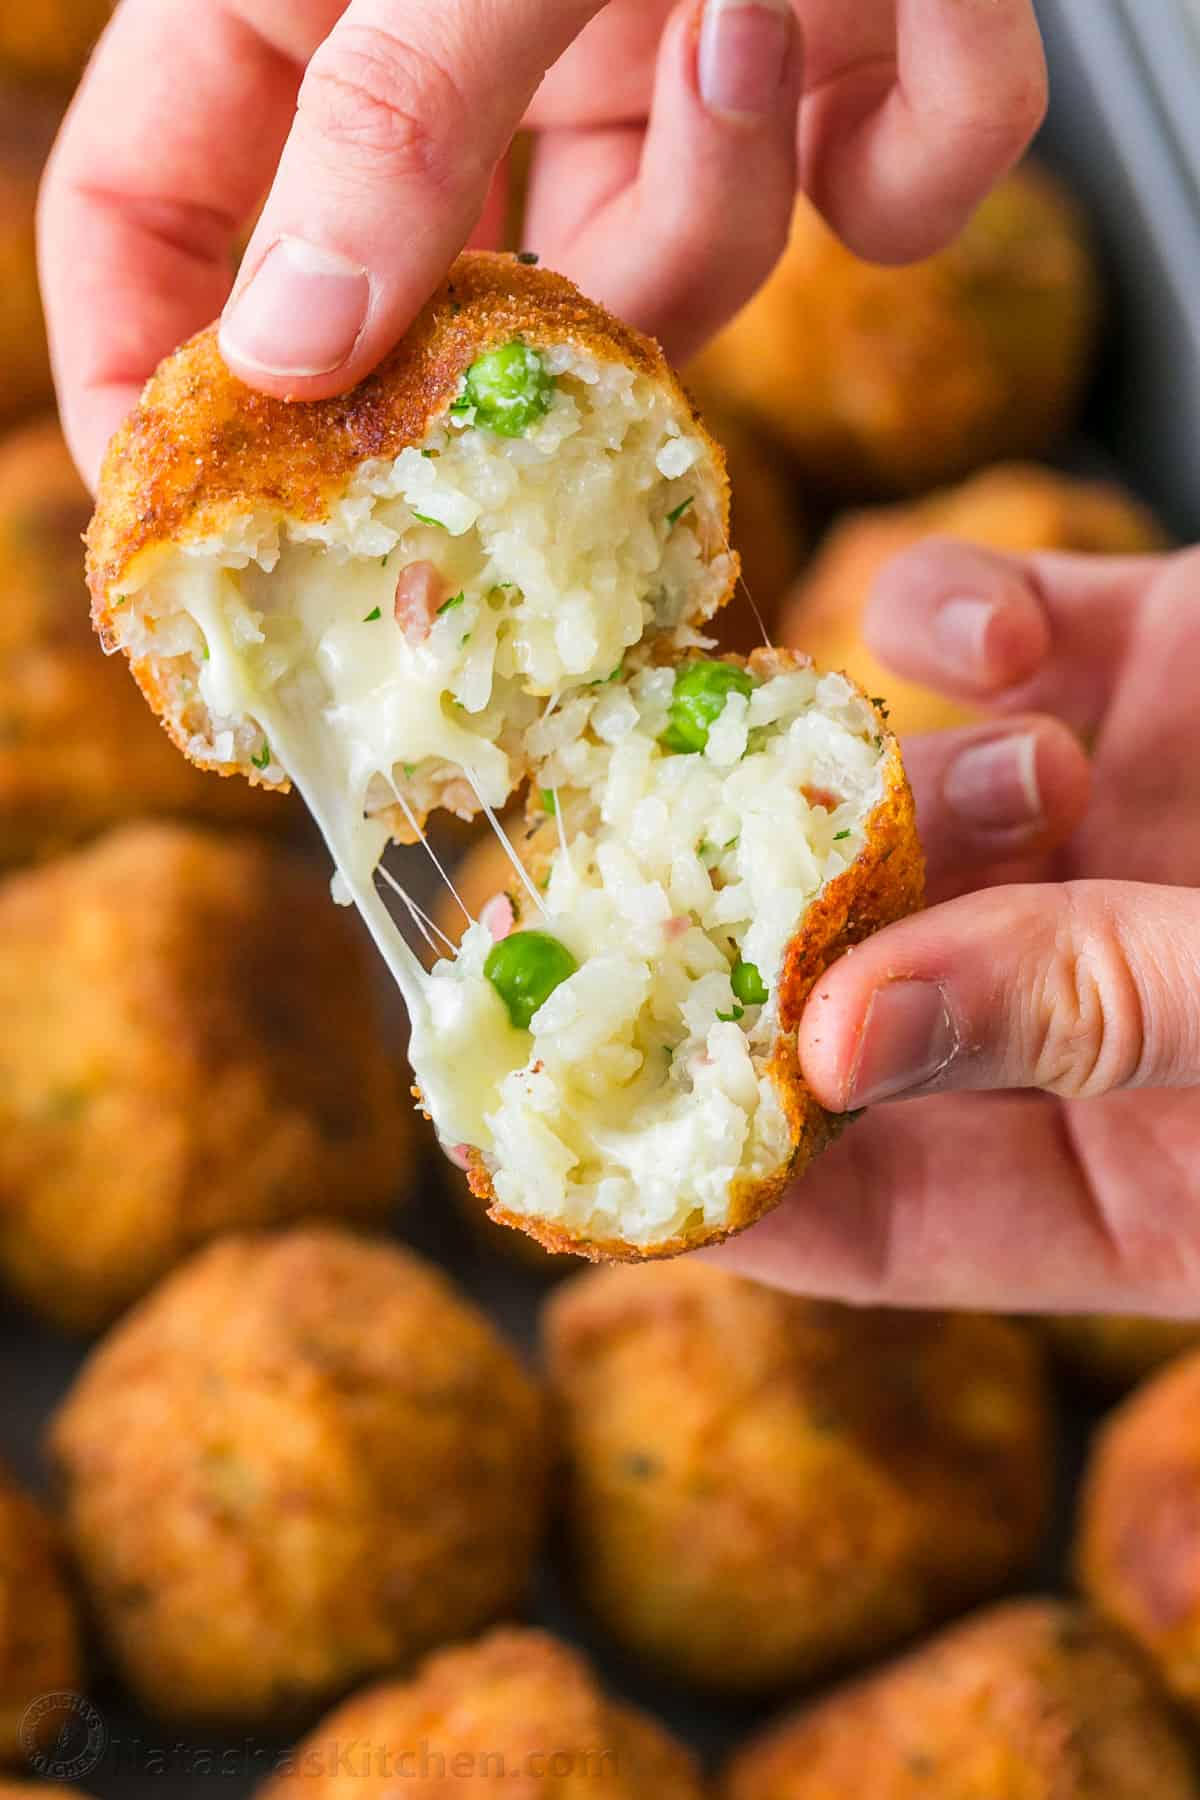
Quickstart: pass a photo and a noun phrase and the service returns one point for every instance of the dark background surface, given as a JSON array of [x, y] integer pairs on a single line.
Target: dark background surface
[[1110, 136]]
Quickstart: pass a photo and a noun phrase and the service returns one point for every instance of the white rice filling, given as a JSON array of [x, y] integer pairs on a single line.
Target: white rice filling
[[552, 555], [640, 1093]]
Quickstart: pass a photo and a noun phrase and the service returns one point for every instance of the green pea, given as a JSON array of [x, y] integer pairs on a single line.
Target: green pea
[[525, 969], [509, 389], [697, 702], [748, 984]]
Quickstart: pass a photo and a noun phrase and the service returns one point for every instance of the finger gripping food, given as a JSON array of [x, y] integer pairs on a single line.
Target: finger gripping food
[[487, 571]]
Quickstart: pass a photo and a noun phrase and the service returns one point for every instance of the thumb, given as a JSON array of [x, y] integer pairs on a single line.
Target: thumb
[[404, 112], [1076, 989]]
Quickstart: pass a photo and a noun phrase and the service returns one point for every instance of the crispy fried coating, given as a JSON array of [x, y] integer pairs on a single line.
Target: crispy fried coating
[[1031, 1701], [763, 1488], [893, 380], [27, 127], [1117, 1352], [188, 1042], [48, 41], [516, 1713], [886, 882], [1015, 507], [78, 749], [303, 1460], [39, 1638], [202, 450], [1138, 1549]]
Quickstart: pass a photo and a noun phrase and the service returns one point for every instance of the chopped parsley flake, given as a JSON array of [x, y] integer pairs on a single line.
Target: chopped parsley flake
[[409, 768], [839, 835], [426, 520], [372, 616], [262, 760], [674, 517], [731, 1018], [449, 605], [549, 801]]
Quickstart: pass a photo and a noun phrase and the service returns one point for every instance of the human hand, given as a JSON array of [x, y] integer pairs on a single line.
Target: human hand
[[663, 179], [1075, 1184]]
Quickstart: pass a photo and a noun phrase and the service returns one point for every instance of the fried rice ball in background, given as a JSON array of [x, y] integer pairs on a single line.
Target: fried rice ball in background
[[27, 127], [516, 1713], [303, 1460], [39, 1640], [892, 380], [49, 41], [1034, 1700], [189, 1042], [1014, 507], [1138, 1548], [1117, 1352], [767, 526], [762, 1488], [78, 748]]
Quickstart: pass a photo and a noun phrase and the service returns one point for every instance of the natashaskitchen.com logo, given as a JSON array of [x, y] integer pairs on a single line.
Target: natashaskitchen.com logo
[[64, 1737]]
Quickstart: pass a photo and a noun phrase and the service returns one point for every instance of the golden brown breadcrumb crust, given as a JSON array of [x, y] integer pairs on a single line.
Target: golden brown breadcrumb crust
[[202, 448], [39, 1635], [304, 1460], [1030, 1701], [1138, 1551], [762, 1488], [517, 1711], [886, 882], [190, 1042]]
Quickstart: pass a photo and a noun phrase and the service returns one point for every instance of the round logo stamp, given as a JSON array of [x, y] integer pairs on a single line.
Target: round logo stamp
[[62, 1736]]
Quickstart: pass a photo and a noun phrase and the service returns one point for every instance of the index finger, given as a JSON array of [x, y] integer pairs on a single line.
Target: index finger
[[165, 152]]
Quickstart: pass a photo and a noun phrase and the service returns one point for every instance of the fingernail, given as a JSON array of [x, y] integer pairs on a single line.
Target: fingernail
[[960, 629], [908, 1038], [995, 783], [743, 55], [301, 312]]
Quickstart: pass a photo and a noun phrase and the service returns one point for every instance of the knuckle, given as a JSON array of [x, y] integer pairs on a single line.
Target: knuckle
[[374, 100], [1089, 1033]]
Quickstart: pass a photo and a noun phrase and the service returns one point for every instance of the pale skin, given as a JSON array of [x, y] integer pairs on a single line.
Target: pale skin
[[1041, 1028], [672, 136], [1060, 968]]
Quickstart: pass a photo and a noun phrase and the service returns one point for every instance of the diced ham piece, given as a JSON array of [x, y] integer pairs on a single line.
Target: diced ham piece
[[459, 1154], [675, 928], [420, 590], [822, 797], [499, 916]]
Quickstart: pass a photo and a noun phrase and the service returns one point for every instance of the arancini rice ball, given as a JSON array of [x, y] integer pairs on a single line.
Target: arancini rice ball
[[483, 572], [1035, 1700], [78, 749], [189, 1042], [515, 1713], [1137, 1553], [305, 1459], [896, 380], [1015, 507], [763, 1488], [39, 1635]]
